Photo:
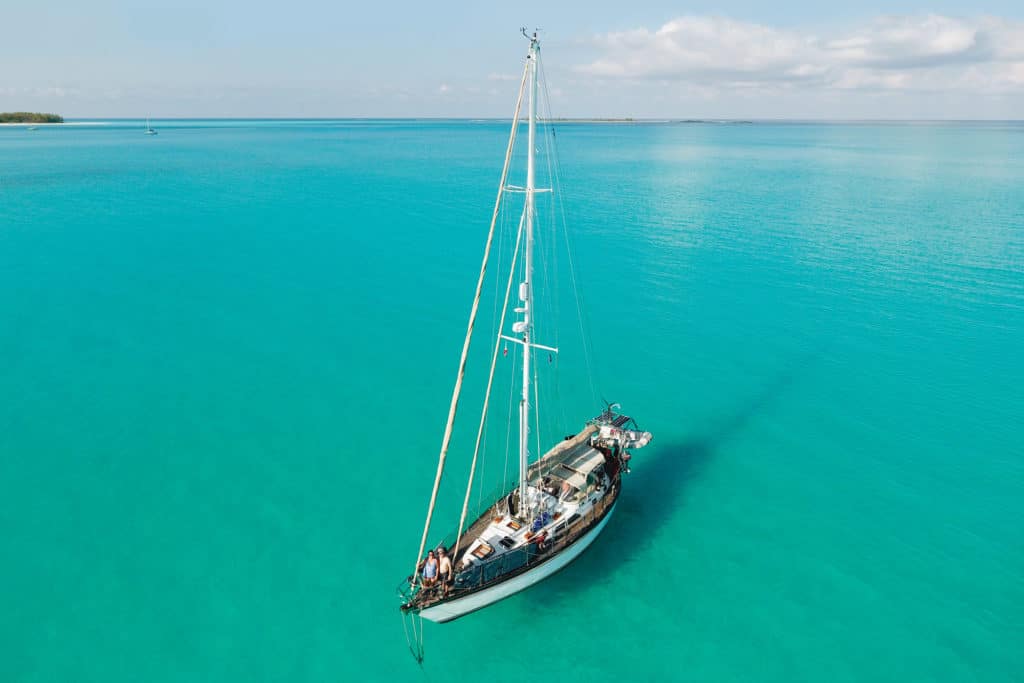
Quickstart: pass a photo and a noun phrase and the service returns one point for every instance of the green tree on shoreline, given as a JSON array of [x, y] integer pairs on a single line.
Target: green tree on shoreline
[[29, 117]]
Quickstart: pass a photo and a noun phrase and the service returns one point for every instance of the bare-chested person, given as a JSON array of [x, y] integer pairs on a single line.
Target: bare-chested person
[[444, 568]]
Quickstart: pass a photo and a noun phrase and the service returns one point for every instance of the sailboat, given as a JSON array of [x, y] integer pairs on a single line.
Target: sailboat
[[564, 498], [149, 128]]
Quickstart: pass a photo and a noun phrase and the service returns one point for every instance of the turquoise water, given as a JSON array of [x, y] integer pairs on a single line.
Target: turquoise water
[[228, 351]]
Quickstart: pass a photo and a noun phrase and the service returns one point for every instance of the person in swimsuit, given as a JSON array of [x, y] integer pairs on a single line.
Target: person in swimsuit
[[430, 570]]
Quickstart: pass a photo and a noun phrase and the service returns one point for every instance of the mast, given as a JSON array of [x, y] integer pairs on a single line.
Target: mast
[[526, 287], [469, 330]]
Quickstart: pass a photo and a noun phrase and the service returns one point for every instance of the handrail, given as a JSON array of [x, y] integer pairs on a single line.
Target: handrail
[[480, 573]]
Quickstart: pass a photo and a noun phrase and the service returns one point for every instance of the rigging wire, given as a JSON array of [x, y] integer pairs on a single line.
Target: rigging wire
[[554, 420], [542, 277], [556, 281], [556, 290], [508, 419], [513, 371], [548, 284], [417, 637], [580, 309], [453, 407], [547, 280], [536, 406], [487, 400], [498, 322]]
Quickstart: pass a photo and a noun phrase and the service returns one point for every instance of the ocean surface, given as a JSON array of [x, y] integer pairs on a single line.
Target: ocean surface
[[228, 350]]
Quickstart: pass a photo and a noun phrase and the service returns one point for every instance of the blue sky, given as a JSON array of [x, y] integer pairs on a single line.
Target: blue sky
[[652, 59]]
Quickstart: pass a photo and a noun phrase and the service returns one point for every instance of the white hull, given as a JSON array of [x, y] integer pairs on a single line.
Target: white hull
[[456, 608]]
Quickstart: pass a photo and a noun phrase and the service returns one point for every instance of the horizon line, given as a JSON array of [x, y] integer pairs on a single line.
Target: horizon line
[[563, 119]]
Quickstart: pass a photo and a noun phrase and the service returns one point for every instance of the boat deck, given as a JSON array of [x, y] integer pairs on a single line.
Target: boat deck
[[570, 461], [572, 488], [565, 451]]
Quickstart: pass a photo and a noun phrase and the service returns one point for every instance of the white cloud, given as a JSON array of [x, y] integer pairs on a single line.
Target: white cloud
[[927, 53]]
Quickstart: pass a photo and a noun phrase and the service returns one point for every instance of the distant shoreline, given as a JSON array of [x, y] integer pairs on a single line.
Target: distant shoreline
[[29, 117], [502, 119], [624, 121], [21, 124]]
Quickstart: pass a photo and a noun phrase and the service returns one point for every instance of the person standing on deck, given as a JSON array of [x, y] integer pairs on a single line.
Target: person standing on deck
[[430, 570], [445, 568]]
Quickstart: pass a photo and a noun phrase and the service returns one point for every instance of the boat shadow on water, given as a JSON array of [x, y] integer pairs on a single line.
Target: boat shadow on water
[[653, 493]]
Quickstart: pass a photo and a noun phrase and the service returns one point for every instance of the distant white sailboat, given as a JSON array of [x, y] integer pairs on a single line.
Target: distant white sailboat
[[149, 129], [562, 499]]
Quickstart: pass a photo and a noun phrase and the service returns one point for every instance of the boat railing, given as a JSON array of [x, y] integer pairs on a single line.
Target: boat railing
[[532, 553], [499, 494], [407, 590], [610, 418], [486, 571], [475, 576]]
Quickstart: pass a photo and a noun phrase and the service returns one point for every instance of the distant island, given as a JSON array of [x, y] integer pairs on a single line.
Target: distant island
[[29, 117]]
